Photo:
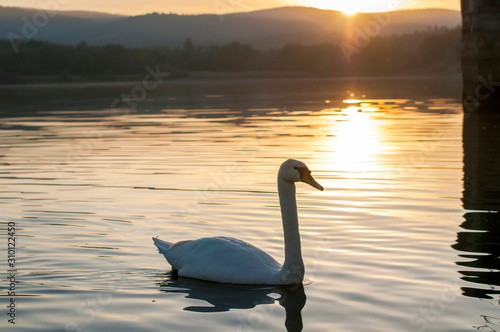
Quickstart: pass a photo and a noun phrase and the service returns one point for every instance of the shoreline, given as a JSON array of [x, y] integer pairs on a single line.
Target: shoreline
[[198, 77]]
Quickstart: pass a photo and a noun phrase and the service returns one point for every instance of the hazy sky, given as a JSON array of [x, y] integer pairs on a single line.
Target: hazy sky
[[134, 7]]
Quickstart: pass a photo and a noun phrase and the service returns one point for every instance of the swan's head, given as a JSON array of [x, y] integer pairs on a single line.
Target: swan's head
[[296, 171]]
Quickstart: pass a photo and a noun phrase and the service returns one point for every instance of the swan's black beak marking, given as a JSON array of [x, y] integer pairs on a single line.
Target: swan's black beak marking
[[306, 177]]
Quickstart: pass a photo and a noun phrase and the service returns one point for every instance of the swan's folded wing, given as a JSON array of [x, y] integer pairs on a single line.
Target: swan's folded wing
[[223, 259]]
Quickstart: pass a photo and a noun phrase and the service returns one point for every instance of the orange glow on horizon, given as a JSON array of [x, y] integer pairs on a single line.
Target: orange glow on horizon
[[353, 6]]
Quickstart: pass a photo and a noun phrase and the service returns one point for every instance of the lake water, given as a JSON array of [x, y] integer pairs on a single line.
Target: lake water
[[88, 176]]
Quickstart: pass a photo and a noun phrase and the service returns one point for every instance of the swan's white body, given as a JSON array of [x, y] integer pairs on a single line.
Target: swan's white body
[[222, 259], [228, 260]]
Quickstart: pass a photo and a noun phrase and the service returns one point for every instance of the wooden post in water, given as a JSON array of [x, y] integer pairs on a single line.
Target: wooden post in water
[[481, 56], [481, 143], [481, 101]]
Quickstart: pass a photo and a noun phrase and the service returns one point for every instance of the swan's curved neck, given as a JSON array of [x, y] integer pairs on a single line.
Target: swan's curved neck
[[293, 268]]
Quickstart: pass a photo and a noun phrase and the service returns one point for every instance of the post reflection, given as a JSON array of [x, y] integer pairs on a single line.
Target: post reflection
[[479, 243], [224, 297]]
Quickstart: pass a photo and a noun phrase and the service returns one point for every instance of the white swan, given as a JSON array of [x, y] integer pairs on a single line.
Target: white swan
[[228, 260]]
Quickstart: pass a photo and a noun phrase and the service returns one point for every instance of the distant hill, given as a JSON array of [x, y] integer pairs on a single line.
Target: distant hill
[[16, 13], [261, 29]]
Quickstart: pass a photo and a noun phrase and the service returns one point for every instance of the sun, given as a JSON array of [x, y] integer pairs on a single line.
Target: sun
[[351, 7], [350, 11]]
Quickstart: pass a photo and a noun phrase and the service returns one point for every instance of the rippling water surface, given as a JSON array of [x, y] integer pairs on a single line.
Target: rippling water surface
[[388, 246]]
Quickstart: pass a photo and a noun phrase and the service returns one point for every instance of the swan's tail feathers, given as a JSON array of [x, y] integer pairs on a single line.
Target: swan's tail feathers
[[162, 246]]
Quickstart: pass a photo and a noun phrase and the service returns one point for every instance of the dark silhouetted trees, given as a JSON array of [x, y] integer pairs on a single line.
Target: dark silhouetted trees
[[427, 52]]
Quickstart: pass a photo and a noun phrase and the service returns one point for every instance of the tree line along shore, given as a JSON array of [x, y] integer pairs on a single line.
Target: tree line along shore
[[429, 52]]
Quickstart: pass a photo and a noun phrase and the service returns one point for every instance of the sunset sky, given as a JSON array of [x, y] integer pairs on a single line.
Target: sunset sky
[[133, 7]]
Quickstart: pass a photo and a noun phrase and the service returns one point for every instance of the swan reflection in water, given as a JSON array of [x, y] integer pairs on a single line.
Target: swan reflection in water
[[224, 297]]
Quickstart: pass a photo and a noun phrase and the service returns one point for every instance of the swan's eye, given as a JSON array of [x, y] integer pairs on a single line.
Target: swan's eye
[[306, 177], [303, 171]]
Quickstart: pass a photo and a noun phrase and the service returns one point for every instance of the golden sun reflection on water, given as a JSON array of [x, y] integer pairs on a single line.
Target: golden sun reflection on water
[[354, 144], [357, 141]]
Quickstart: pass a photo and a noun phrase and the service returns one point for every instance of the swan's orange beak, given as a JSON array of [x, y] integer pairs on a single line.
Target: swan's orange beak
[[307, 178]]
